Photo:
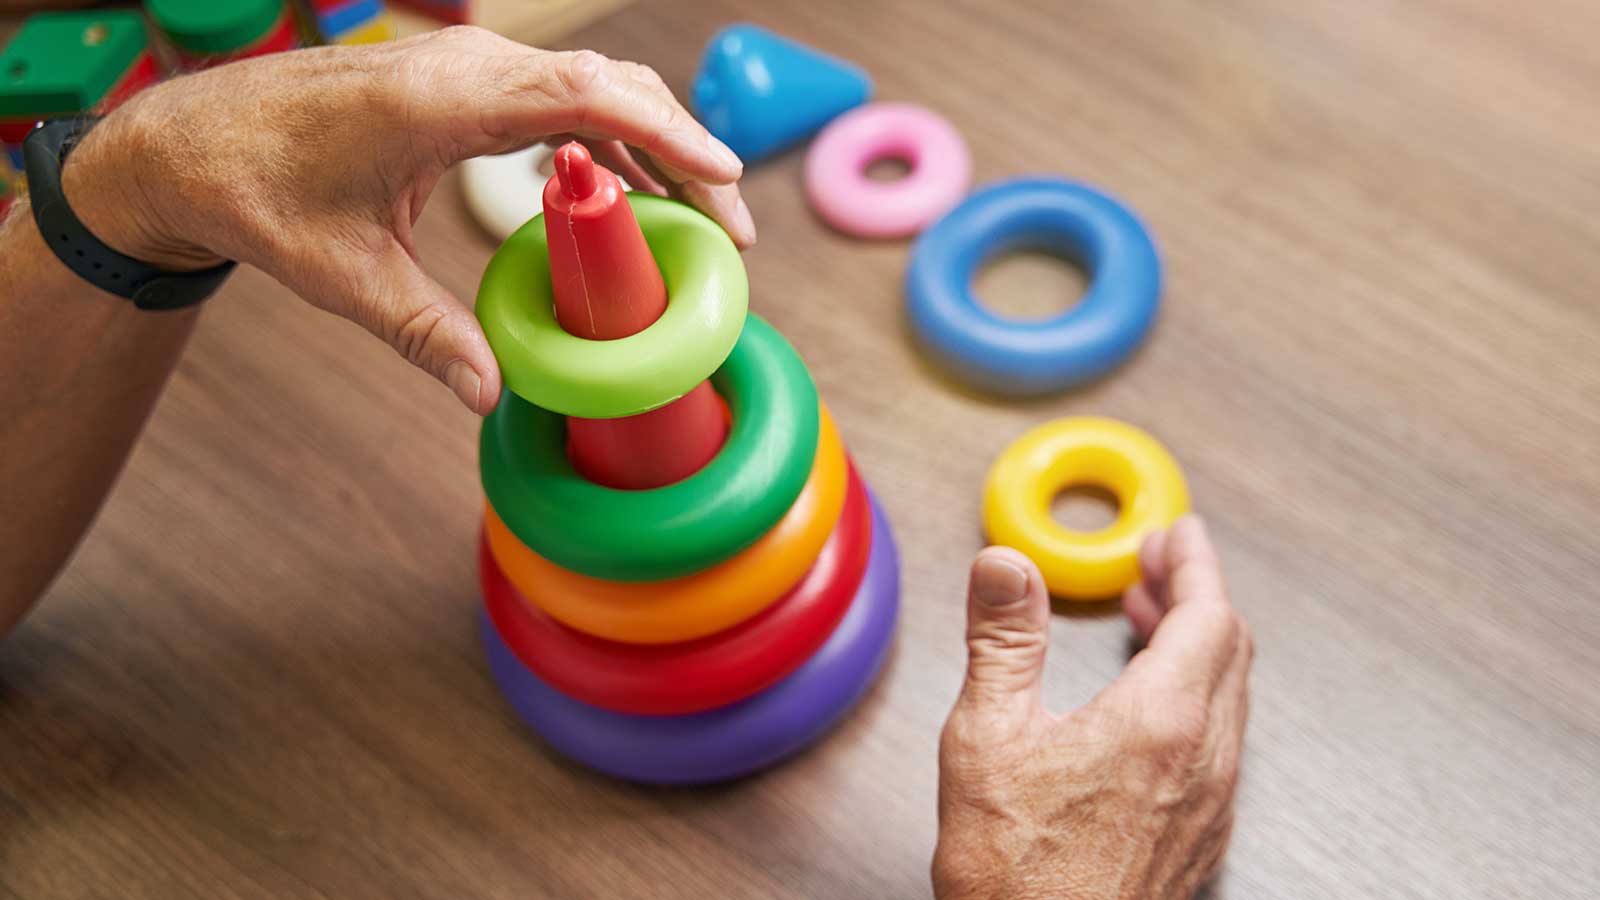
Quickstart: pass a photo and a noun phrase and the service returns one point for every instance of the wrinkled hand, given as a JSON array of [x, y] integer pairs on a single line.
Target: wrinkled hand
[[1130, 796], [314, 165]]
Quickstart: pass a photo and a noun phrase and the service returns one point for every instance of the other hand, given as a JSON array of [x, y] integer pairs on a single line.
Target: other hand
[[1130, 796]]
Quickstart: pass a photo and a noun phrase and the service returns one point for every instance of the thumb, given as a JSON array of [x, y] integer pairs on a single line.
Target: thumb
[[1008, 631], [433, 330]]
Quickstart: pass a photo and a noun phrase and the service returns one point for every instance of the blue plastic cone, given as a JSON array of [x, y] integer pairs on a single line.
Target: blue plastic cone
[[761, 93]]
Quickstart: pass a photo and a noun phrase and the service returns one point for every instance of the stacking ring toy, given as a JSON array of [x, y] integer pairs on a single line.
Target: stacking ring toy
[[1124, 460], [692, 606], [707, 297], [676, 679], [1011, 356], [683, 527], [729, 741], [503, 192], [836, 170]]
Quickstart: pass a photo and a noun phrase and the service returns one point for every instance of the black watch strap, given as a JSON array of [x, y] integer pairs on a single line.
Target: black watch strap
[[43, 153]]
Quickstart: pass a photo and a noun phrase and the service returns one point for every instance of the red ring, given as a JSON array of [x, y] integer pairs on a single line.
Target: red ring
[[691, 676]]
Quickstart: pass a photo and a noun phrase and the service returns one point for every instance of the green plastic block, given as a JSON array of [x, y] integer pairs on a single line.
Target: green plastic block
[[211, 27], [65, 63]]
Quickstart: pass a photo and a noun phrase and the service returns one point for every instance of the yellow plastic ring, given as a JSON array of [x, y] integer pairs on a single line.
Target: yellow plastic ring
[[1073, 452], [693, 606]]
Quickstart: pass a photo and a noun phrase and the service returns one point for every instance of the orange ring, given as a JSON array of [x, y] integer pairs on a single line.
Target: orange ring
[[693, 606]]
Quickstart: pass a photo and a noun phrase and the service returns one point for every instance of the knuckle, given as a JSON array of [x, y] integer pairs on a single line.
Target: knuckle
[[1245, 636], [960, 739], [1177, 730], [645, 75], [1005, 639], [1225, 780], [581, 73], [413, 336]]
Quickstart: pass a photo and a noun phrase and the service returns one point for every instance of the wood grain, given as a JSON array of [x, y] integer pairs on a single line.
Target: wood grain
[[1377, 363]]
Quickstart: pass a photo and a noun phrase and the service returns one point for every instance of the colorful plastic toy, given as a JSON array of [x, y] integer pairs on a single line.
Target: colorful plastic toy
[[728, 741], [1010, 356], [1025, 479], [690, 567], [211, 32], [836, 170], [694, 605], [761, 93], [626, 376], [352, 21], [67, 64], [693, 676], [647, 535]]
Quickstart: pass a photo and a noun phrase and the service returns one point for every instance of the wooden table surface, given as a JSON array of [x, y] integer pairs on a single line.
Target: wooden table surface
[[1377, 363]]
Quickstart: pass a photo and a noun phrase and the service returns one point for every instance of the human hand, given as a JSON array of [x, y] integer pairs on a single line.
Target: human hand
[[1129, 796], [314, 165]]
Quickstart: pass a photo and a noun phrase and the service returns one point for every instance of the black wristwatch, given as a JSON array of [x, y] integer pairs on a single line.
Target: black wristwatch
[[43, 153]]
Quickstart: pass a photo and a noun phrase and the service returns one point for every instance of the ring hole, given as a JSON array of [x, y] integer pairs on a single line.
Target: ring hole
[[1029, 283], [17, 70], [887, 168], [1085, 508]]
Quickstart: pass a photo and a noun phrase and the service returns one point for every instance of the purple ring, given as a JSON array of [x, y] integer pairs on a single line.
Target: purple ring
[[733, 740]]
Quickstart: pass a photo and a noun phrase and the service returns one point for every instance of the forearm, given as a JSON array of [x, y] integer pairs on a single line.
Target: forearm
[[79, 373]]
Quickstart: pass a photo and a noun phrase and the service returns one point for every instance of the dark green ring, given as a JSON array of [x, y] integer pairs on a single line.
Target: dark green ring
[[671, 531]]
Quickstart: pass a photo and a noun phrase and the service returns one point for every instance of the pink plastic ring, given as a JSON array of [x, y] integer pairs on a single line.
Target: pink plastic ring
[[836, 170]]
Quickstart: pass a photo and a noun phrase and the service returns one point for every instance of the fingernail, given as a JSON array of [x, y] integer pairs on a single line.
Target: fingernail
[[465, 382], [724, 154], [999, 582], [744, 223]]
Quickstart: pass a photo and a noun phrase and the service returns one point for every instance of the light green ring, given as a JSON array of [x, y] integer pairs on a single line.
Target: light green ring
[[707, 298]]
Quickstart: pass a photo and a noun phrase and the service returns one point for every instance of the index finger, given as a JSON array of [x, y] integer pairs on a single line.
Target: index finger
[[1199, 636], [584, 92]]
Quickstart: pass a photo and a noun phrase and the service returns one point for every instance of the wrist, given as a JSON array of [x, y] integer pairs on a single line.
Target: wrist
[[111, 189]]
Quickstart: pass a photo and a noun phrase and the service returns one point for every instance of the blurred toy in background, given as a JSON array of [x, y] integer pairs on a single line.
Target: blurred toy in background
[[206, 33], [352, 21], [939, 170], [456, 12], [503, 192], [761, 93], [70, 64]]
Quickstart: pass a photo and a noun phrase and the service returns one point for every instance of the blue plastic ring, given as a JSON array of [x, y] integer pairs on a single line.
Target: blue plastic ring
[[1022, 357], [734, 740]]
